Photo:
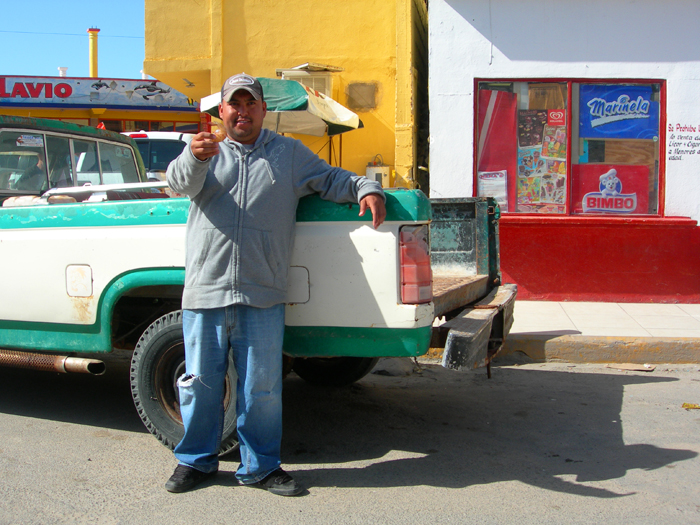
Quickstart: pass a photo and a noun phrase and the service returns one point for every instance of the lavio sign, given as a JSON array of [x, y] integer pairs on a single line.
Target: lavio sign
[[89, 92], [618, 112]]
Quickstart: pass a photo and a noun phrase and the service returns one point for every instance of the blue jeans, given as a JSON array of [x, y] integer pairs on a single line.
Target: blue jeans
[[254, 335]]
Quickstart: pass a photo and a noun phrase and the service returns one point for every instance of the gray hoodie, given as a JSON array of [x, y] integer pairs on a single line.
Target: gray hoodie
[[240, 229]]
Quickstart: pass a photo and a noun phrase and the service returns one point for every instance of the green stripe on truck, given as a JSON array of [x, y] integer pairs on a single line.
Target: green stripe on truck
[[330, 341], [402, 205]]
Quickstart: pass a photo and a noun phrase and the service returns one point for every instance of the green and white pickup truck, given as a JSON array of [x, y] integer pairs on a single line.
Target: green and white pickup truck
[[90, 269]]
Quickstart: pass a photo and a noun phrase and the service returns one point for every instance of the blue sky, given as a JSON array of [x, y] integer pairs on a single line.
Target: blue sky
[[40, 35]]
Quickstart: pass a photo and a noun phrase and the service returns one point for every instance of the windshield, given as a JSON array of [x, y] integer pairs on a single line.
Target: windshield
[[22, 162]]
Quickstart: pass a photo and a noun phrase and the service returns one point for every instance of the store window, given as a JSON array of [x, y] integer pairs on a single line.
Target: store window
[[136, 125], [81, 121], [153, 125], [187, 127], [162, 126], [112, 125], [569, 148]]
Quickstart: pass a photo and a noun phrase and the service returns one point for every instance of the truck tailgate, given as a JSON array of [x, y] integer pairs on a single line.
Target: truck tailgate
[[473, 310]]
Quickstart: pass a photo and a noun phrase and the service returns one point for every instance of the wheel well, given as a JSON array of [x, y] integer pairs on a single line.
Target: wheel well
[[138, 308]]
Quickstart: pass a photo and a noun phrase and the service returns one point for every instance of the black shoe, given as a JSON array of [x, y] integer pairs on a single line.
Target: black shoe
[[185, 478], [280, 483]]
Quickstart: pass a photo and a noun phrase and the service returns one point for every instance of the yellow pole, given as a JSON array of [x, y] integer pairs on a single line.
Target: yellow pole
[[93, 51]]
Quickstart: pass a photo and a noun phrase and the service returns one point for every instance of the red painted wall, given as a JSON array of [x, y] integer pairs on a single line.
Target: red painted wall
[[602, 259]]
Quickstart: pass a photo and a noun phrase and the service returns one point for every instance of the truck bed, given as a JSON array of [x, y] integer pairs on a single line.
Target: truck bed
[[455, 292]]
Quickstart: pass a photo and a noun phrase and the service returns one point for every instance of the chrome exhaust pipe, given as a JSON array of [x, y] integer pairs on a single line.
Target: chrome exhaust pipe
[[51, 363]]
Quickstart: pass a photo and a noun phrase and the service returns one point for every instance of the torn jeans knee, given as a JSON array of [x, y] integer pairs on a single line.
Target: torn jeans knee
[[191, 386]]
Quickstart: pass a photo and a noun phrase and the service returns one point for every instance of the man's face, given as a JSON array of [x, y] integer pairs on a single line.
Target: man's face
[[243, 116]]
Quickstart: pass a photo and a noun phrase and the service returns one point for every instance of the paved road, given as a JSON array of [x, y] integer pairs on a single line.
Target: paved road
[[538, 443]]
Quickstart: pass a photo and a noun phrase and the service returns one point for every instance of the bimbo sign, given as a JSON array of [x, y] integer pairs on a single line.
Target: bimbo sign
[[618, 112], [610, 197], [615, 189]]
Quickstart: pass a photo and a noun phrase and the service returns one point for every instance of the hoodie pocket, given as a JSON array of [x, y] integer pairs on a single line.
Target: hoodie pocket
[[212, 265], [257, 264]]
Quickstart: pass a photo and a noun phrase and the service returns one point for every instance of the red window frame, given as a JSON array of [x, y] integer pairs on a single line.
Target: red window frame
[[661, 189]]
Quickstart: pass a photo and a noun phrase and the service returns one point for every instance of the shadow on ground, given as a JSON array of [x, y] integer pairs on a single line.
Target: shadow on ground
[[552, 429]]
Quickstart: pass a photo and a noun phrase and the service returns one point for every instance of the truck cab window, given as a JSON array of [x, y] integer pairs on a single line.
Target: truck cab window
[[60, 165], [22, 162]]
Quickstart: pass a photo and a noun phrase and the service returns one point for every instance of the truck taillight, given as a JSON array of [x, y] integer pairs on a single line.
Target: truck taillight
[[416, 274]]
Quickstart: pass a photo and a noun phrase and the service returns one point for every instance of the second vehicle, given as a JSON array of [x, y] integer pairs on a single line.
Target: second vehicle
[[158, 148]]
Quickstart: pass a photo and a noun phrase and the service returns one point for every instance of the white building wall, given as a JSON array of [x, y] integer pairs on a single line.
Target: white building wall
[[616, 39]]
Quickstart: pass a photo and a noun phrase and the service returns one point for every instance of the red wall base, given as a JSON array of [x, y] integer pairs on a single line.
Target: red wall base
[[631, 260]]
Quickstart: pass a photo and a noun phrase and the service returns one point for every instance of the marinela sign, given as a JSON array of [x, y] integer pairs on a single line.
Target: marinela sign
[[618, 112]]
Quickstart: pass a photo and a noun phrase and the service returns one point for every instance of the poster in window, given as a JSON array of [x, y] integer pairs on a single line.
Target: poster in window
[[493, 184], [531, 127], [554, 142], [530, 162], [540, 180], [617, 112], [618, 189], [552, 188], [528, 191], [556, 166]]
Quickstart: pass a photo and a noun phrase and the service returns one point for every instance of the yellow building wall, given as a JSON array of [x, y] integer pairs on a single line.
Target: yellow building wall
[[194, 46]]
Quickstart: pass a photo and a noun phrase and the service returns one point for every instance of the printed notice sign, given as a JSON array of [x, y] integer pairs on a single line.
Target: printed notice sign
[[493, 184], [683, 141]]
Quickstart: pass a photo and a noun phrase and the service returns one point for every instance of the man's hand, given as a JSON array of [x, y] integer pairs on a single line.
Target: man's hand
[[375, 203], [204, 145]]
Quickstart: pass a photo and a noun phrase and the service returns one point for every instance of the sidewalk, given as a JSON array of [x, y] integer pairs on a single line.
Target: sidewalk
[[604, 332]]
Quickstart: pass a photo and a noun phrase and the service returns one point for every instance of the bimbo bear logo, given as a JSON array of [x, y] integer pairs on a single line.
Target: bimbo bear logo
[[610, 198], [610, 184]]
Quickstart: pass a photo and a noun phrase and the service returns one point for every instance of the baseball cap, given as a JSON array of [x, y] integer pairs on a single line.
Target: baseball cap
[[241, 81]]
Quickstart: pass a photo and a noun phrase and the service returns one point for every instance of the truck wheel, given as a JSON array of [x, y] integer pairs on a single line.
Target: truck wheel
[[333, 371], [158, 361]]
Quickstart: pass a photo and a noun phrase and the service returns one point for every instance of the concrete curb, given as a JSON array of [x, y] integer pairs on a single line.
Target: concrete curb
[[598, 349]]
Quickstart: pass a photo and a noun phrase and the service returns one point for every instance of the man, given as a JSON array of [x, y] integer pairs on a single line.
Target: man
[[240, 233], [33, 178]]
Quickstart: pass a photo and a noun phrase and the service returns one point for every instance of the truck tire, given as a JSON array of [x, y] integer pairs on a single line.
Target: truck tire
[[158, 361], [333, 371]]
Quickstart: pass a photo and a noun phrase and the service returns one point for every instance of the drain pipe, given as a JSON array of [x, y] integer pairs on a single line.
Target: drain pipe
[[51, 363]]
